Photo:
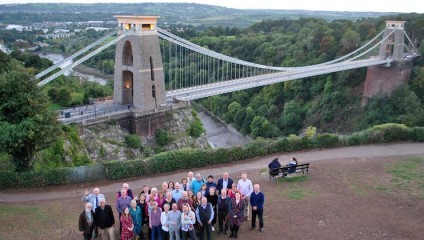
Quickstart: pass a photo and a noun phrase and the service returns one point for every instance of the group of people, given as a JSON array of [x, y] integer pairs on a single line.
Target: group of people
[[188, 209]]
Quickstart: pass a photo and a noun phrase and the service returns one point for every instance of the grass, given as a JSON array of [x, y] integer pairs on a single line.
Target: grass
[[294, 179], [296, 191], [407, 175]]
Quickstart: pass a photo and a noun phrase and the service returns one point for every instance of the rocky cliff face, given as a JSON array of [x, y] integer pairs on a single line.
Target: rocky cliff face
[[106, 141]]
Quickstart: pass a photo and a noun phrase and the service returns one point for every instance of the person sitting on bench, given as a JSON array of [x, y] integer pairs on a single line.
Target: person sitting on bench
[[274, 164], [292, 165]]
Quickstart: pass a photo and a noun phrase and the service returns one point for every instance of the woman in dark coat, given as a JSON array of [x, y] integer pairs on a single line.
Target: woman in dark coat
[[236, 214]]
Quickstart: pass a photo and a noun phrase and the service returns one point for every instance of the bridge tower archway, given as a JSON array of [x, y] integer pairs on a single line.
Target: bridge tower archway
[[139, 78]]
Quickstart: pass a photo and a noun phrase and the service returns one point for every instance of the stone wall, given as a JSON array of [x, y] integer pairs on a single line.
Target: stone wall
[[384, 80]]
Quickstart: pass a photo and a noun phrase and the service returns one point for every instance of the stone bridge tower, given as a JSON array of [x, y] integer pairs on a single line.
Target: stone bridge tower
[[385, 79], [139, 78]]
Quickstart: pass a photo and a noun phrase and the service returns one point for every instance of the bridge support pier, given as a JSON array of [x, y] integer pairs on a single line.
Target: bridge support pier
[[382, 80]]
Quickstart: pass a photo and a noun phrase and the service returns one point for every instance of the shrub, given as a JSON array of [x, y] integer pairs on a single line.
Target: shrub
[[133, 141], [196, 128], [417, 134], [326, 140], [33, 179], [6, 163], [162, 137]]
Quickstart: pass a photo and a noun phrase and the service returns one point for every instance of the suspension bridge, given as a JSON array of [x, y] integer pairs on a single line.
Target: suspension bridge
[[154, 68]]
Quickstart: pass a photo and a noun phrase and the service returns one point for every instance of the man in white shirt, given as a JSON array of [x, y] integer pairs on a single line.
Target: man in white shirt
[[245, 188], [190, 179]]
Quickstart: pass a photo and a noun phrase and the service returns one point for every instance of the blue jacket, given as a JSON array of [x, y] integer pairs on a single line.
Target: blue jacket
[[257, 200], [196, 185]]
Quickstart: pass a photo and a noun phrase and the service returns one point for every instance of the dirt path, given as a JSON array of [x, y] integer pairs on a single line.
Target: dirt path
[[234, 169]]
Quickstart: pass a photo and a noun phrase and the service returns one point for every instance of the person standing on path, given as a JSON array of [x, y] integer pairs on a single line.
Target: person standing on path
[[223, 207], [257, 199], [136, 215], [224, 183], [86, 222], [197, 183], [127, 225], [128, 189], [204, 215], [245, 188], [174, 222], [190, 180], [236, 214], [93, 198], [104, 219], [121, 204], [154, 222], [163, 219], [188, 219]]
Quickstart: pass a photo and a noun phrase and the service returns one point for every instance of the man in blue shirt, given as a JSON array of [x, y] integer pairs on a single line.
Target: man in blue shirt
[[257, 199], [204, 215], [197, 183], [94, 199]]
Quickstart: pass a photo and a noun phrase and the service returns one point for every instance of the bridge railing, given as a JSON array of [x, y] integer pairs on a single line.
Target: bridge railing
[[81, 115]]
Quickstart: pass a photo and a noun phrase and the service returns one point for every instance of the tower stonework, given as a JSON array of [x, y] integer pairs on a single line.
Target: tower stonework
[[385, 79], [139, 78]]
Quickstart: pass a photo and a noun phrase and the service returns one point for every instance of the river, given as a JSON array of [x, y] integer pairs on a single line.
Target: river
[[219, 134]]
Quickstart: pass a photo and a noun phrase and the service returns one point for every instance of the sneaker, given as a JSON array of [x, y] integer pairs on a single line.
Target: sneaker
[[213, 229], [251, 228], [261, 229]]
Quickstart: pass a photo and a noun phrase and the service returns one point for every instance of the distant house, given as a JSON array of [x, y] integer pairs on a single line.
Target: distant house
[[97, 29], [4, 49], [19, 28]]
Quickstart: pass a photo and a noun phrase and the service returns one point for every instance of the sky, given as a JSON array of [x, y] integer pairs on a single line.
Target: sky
[[328, 5]]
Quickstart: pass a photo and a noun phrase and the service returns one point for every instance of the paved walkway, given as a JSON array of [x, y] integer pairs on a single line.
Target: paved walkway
[[234, 169]]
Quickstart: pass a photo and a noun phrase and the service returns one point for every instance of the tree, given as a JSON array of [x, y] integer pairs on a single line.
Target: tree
[[291, 119], [26, 123], [233, 108], [250, 114], [260, 126]]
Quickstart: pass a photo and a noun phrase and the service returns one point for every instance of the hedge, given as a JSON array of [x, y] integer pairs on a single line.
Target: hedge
[[194, 158]]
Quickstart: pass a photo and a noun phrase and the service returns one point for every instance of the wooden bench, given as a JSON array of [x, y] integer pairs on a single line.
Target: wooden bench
[[284, 171]]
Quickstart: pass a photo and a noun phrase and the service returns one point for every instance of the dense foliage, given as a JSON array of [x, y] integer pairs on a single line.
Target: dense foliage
[[26, 123], [330, 102]]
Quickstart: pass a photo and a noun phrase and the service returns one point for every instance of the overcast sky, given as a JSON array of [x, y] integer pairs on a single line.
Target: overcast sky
[[329, 5]]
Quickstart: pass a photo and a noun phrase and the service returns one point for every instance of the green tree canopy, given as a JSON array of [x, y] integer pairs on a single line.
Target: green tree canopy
[[26, 123]]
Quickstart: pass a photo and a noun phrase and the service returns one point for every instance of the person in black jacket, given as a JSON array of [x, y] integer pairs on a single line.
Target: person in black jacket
[[223, 208], [86, 222], [104, 219], [274, 164], [224, 183]]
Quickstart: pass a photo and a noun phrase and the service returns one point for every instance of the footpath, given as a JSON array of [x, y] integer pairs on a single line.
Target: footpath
[[234, 169]]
